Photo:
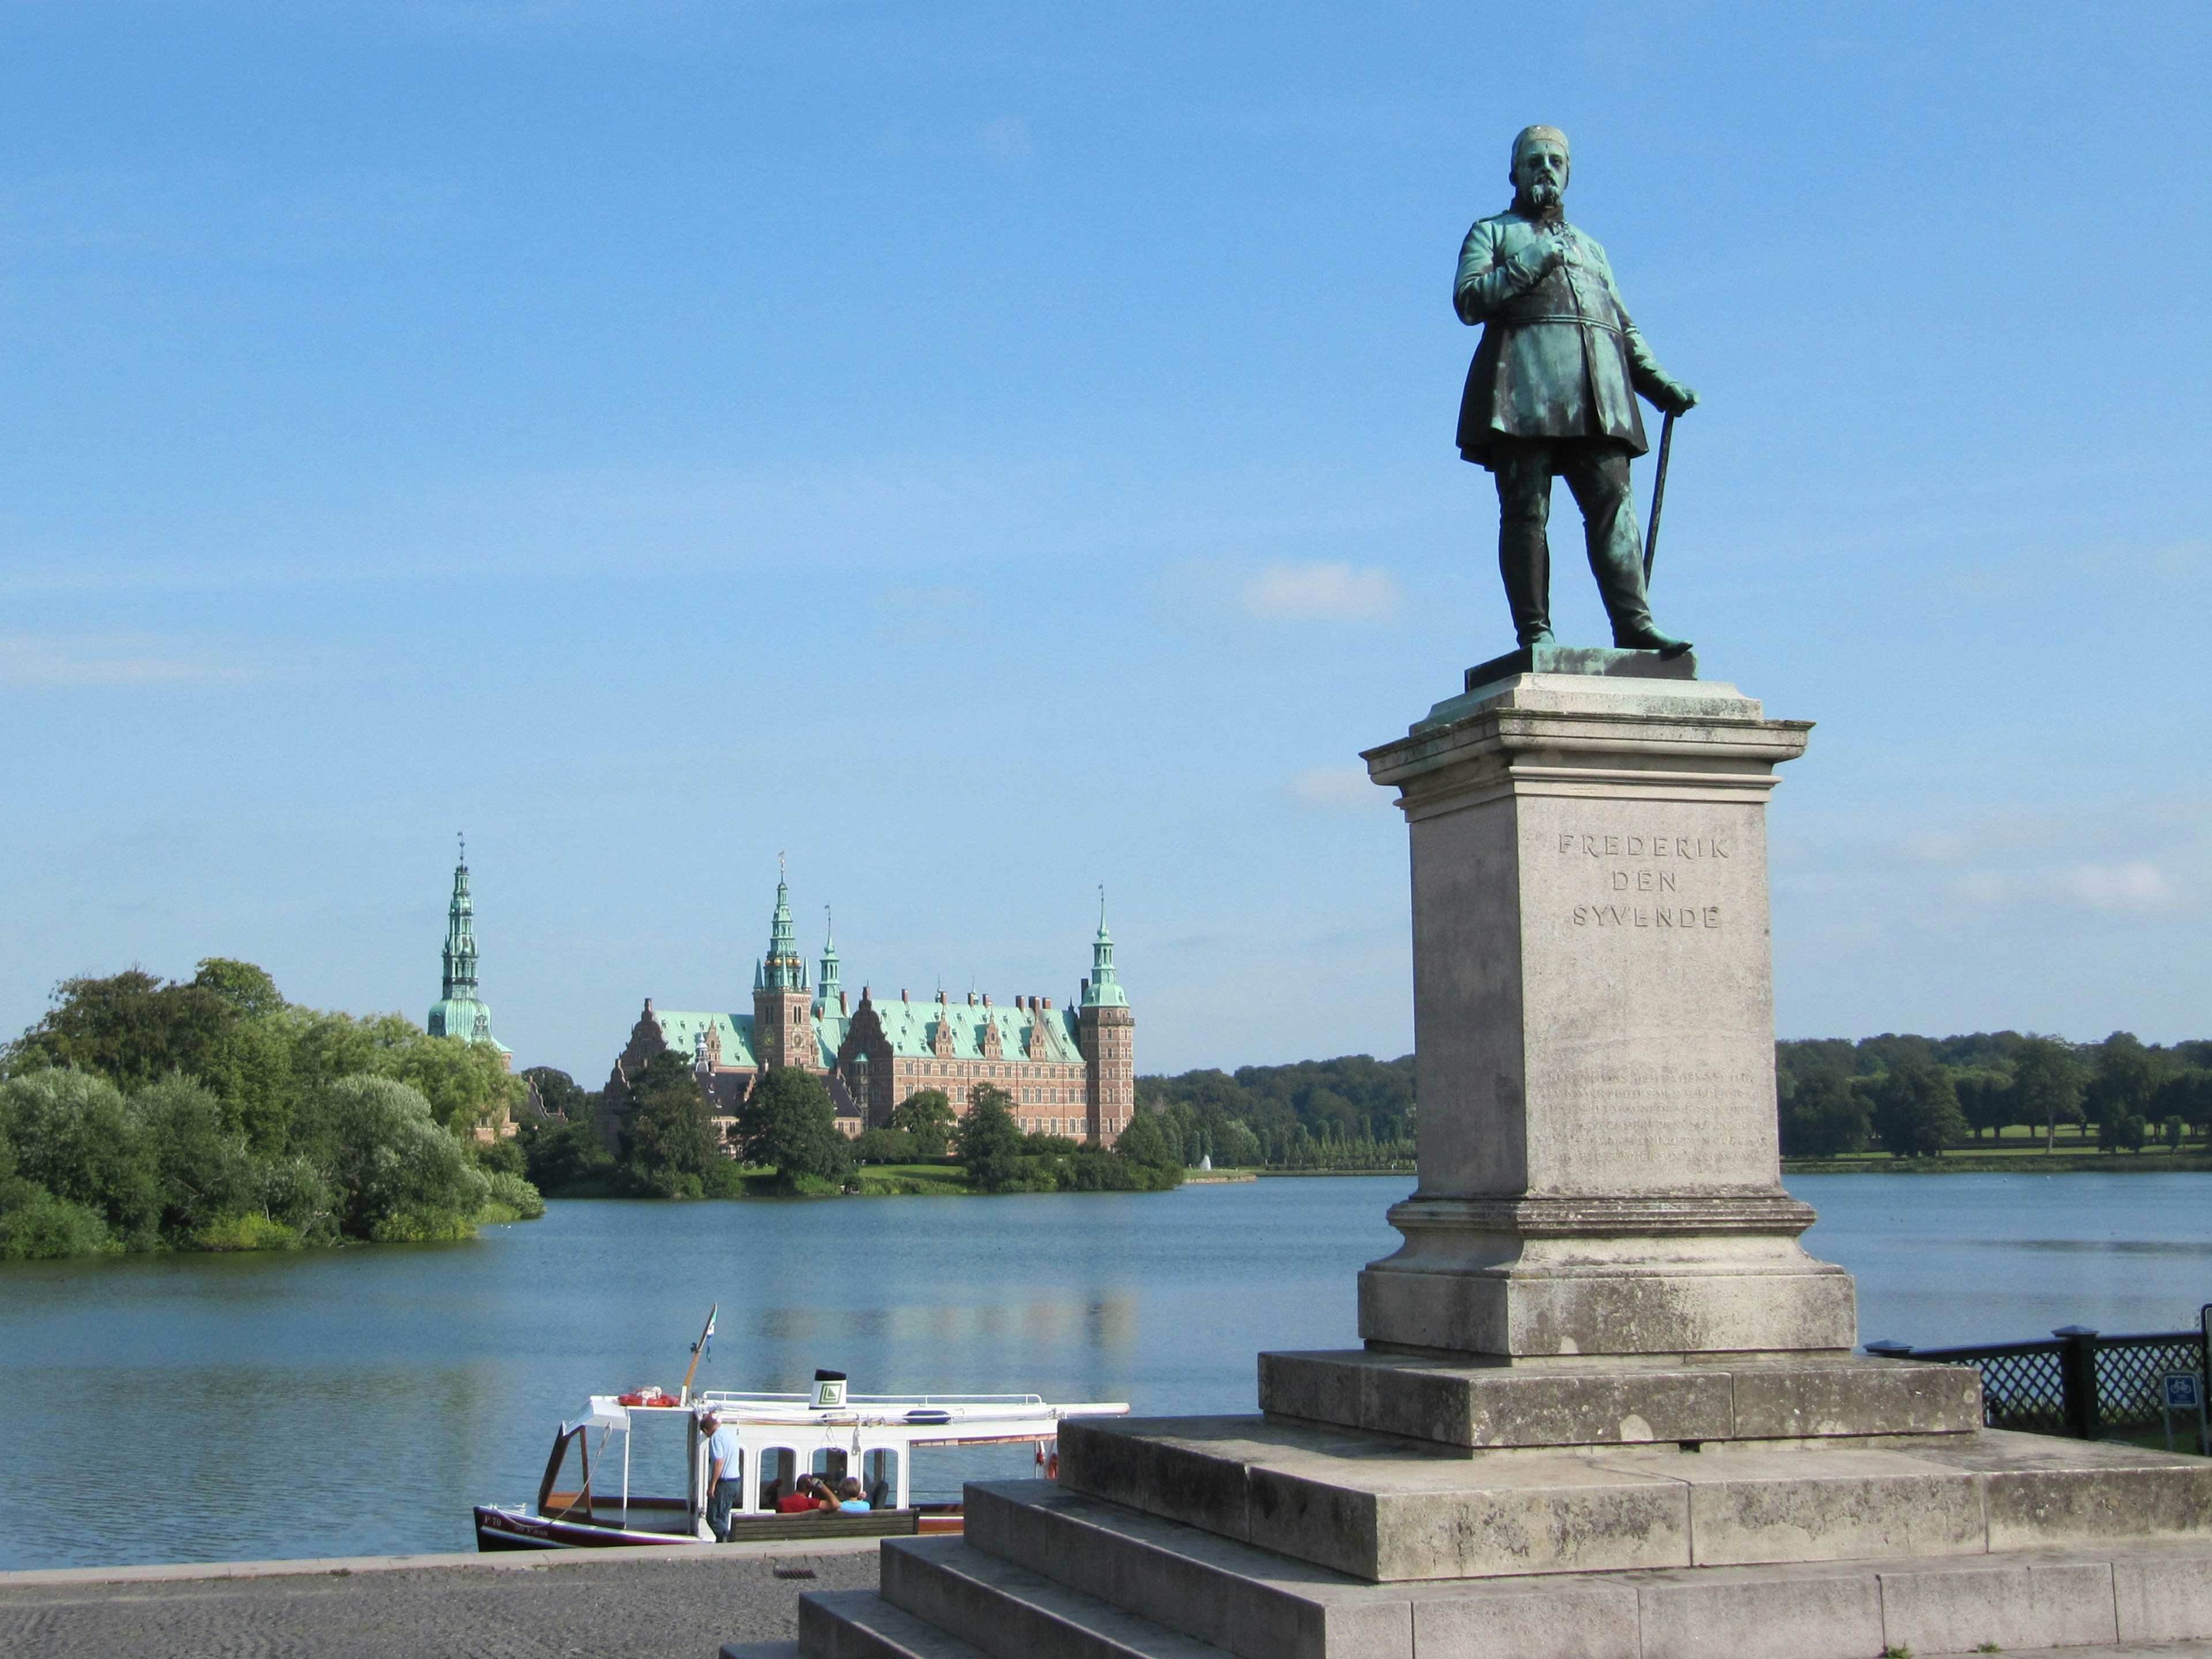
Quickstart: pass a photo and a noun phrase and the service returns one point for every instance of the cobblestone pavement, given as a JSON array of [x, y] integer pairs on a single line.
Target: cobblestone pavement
[[624, 1610]]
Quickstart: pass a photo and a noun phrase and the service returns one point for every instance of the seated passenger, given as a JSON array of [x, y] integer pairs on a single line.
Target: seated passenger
[[800, 1499], [850, 1497]]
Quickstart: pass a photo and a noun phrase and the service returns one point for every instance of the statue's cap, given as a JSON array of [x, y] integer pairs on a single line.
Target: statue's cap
[[1528, 135]]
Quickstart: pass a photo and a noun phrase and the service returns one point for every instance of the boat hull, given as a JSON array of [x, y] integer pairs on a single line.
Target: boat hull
[[499, 1528]]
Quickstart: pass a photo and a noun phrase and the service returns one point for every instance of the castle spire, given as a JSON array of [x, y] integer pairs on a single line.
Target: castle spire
[[1102, 991], [783, 969], [827, 985], [459, 1013], [460, 954]]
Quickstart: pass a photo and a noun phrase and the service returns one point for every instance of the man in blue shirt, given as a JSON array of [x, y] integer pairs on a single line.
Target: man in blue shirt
[[724, 1469]]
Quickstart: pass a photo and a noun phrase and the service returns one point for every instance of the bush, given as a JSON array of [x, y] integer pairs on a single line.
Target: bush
[[36, 1226], [245, 1232], [885, 1146], [511, 1197]]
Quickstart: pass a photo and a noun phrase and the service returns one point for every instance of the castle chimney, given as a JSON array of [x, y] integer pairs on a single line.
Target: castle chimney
[[845, 1007], [1047, 1004], [902, 994], [986, 999]]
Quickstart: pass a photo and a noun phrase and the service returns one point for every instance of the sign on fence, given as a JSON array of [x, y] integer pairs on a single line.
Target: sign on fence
[[2185, 1392]]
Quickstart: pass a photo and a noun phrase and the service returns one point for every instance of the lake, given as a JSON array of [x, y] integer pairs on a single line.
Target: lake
[[166, 1408]]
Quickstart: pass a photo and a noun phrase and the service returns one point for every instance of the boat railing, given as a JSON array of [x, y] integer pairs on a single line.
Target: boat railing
[[727, 1397]]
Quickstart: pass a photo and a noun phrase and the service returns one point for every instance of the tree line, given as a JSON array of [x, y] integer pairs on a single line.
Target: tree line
[[1917, 1097], [785, 1140], [212, 1114], [1352, 1112]]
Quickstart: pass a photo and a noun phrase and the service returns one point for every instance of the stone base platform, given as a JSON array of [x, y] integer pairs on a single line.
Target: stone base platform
[[1460, 1401], [1048, 1574], [1389, 1513]]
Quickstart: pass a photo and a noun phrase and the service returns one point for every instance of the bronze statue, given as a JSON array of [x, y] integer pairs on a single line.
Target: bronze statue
[[1552, 393]]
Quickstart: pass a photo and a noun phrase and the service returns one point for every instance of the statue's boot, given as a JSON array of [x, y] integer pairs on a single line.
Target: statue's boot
[[1619, 571], [1526, 564]]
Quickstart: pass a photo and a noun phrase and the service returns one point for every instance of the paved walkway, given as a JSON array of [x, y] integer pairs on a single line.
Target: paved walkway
[[591, 1604]]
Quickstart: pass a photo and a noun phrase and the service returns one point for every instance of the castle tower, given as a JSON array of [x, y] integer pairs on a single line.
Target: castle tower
[[1106, 1033], [458, 1013], [783, 1006], [827, 986]]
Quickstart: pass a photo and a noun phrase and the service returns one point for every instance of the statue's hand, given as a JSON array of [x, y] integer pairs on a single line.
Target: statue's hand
[[1676, 398], [1544, 254]]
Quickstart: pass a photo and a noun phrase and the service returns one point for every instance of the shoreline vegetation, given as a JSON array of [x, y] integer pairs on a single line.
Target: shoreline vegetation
[[211, 1115], [2000, 1101], [785, 1142]]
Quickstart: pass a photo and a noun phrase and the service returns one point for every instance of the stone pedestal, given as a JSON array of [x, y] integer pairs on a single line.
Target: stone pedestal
[[1608, 1407], [1594, 1029]]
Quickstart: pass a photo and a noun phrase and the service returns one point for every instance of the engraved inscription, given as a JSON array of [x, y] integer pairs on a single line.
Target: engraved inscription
[[1644, 879], [1645, 846], [1648, 916]]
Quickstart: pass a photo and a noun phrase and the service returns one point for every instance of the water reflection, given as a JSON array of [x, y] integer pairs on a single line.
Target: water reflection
[[223, 1407]]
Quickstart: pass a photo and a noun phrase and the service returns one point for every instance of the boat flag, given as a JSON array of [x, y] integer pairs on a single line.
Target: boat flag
[[707, 1342]]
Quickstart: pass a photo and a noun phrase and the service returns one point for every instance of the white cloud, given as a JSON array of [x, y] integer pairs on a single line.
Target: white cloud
[[48, 663], [1337, 786], [2137, 887], [1323, 593]]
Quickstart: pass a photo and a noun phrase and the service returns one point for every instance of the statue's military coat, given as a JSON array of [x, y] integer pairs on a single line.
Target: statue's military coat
[[1559, 357]]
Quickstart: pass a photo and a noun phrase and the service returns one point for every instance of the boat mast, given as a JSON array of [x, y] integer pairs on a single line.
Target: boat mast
[[705, 1331]]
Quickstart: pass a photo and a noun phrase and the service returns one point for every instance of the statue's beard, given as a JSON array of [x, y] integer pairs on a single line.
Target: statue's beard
[[1545, 204]]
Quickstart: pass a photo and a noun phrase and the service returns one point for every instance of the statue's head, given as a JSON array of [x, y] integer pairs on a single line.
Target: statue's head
[[1539, 168]]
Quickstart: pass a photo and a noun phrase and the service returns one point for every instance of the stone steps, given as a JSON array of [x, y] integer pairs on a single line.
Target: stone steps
[[1386, 1512], [1008, 1612], [1262, 1606], [861, 1625]]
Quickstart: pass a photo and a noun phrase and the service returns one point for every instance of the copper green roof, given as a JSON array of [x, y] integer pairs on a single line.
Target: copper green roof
[[1102, 990], [458, 1013], [911, 1029]]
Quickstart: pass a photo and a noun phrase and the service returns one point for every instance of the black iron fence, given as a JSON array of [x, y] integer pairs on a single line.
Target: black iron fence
[[2079, 1382]]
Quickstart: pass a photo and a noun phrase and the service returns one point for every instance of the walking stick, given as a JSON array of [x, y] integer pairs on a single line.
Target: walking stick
[[1658, 496]]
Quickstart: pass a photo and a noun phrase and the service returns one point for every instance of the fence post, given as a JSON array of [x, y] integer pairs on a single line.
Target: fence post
[[2077, 1375]]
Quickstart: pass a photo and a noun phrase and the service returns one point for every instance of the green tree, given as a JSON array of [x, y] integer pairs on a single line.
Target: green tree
[[789, 1122], [2048, 1081], [394, 1174], [130, 1028], [207, 1172], [1916, 1109], [2123, 1084], [1821, 1114], [567, 1159], [1986, 1100], [669, 1145], [1142, 1143], [249, 991], [987, 1143], [926, 1115], [77, 1138]]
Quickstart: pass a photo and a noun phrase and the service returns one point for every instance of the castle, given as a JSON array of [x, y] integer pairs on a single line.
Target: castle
[[1068, 1071]]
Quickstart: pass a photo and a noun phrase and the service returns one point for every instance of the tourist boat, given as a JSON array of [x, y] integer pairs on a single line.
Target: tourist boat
[[781, 1438]]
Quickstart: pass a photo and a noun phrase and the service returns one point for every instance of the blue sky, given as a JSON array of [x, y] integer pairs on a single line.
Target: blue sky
[[988, 451]]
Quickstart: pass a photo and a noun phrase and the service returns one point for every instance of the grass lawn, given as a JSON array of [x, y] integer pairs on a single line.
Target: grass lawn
[[2016, 1149], [880, 1179]]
